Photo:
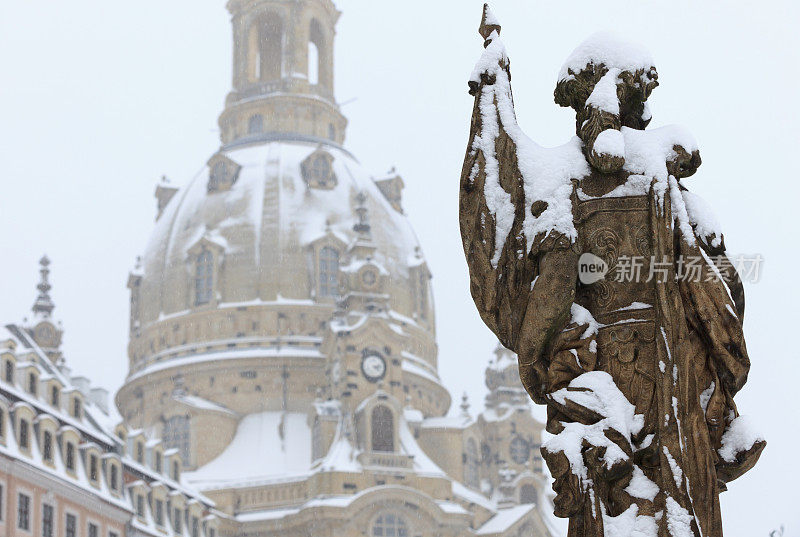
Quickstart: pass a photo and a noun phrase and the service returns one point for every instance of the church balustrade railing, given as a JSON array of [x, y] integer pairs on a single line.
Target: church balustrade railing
[[386, 460]]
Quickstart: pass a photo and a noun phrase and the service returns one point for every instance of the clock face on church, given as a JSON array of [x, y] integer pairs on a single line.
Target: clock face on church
[[373, 366]]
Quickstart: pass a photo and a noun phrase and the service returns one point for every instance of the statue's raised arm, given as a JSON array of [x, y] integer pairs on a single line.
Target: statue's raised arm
[[516, 218], [610, 280]]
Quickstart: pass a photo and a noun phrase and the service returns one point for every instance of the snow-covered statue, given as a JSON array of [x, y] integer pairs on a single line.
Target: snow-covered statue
[[609, 279]]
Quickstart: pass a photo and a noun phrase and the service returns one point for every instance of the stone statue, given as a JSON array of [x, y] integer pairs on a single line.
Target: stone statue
[[638, 362]]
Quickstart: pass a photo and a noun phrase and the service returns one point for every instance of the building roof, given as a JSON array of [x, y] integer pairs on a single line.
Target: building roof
[[267, 446], [267, 217]]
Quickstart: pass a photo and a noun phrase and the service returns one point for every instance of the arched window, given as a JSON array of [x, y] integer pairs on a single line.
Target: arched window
[[382, 425], [316, 54], [527, 494], [471, 463], [204, 278], [177, 435], [69, 458], [389, 525], [255, 125], [24, 442], [313, 64], [47, 446], [328, 272], [269, 50]]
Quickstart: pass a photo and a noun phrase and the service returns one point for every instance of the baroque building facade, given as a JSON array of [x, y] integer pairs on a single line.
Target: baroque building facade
[[68, 466], [282, 330]]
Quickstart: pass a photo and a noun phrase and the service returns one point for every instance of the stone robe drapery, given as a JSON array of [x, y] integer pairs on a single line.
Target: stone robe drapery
[[691, 337]]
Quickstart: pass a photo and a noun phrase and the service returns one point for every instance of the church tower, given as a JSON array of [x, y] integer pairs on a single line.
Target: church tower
[[282, 72], [283, 333]]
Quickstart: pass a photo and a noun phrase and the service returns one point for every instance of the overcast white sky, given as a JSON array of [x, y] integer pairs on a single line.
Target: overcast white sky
[[99, 99]]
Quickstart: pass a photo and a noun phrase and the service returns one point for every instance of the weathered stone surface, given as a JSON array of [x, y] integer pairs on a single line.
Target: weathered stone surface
[[672, 344]]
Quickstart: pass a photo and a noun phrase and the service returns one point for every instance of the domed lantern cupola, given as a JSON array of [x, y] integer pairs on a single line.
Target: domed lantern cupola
[[282, 73]]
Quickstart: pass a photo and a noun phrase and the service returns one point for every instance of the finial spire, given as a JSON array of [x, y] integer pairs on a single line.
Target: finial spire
[[489, 23], [362, 226], [43, 306], [465, 405]]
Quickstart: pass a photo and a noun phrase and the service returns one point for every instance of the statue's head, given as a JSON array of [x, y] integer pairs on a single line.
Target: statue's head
[[607, 82]]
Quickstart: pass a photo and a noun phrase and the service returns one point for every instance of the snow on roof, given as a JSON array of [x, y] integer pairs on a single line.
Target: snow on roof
[[267, 445], [269, 200], [408, 444], [502, 361], [418, 366], [471, 496], [505, 519], [447, 422], [229, 354], [342, 455], [412, 415], [610, 50], [58, 470], [341, 501], [203, 404]]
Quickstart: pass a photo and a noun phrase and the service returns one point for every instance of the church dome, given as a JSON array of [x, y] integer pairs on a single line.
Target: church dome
[[262, 229], [275, 224], [283, 273]]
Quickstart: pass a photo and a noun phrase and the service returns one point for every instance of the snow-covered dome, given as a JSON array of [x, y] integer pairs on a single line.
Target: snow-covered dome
[[274, 225], [264, 227]]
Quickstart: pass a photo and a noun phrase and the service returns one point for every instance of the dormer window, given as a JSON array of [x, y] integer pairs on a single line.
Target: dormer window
[[222, 174], [204, 278], [9, 372], [114, 477], [54, 396], [140, 452], [69, 457], [24, 434], [93, 468], [47, 446], [76, 408], [317, 170], [176, 520], [33, 384], [328, 272], [256, 124]]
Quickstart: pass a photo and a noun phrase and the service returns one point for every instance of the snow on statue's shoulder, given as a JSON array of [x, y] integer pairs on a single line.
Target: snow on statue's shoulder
[[611, 51]]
